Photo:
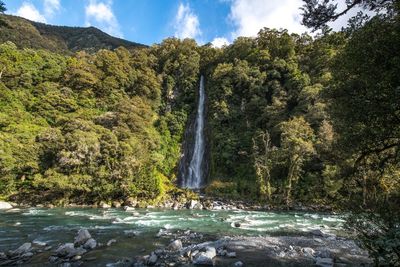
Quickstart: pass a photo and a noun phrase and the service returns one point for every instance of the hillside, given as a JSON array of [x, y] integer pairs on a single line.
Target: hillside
[[25, 33]]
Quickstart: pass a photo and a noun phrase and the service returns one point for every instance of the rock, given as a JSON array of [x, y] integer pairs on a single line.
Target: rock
[[116, 204], [129, 208], [237, 224], [238, 264], [324, 262], [109, 243], [77, 258], [5, 205], [25, 248], [176, 205], [3, 256], [175, 245], [191, 204], [53, 259], [27, 255], [104, 205], [152, 260], [69, 251], [39, 243], [231, 254], [324, 253], [317, 232], [82, 237], [132, 202], [90, 244], [308, 252], [205, 257]]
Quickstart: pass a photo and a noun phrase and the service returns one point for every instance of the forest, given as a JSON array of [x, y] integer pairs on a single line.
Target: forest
[[291, 120]]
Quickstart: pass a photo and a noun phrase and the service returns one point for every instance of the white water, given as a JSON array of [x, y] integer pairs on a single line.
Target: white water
[[195, 175]]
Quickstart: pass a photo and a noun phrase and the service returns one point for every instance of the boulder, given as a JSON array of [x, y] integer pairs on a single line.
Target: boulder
[[129, 208], [82, 237], [68, 250], [317, 232], [324, 262], [308, 252], [104, 205], [205, 257], [5, 205], [90, 244], [116, 204], [25, 248], [175, 245], [231, 254], [238, 264], [152, 260], [323, 253], [237, 224], [132, 202]]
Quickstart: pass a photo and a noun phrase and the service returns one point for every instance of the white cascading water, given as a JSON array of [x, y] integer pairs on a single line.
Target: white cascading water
[[195, 174]]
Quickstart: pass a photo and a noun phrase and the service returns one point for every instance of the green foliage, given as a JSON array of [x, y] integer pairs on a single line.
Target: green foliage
[[222, 189], [2, 7]]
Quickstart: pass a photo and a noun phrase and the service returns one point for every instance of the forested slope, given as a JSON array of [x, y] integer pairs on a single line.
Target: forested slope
[[62, 39]]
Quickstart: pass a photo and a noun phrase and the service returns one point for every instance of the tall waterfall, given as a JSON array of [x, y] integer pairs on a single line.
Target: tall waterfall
[[195, 173]]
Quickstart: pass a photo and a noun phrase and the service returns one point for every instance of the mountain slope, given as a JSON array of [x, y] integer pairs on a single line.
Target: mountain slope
[[28, 34]]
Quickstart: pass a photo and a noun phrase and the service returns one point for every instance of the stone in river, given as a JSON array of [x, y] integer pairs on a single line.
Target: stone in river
[[25, 248], [82, 237], [238, 264], [90, 244]]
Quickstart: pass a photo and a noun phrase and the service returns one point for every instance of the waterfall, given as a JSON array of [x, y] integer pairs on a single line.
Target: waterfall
[[194, 177]]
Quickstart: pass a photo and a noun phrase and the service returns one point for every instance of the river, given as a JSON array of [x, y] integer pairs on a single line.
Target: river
[[136, 231]]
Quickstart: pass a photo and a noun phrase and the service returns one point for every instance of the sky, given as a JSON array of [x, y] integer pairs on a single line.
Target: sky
[[151, 21]]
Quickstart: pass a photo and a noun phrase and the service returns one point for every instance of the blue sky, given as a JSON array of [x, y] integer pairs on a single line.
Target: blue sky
[[150, 21]]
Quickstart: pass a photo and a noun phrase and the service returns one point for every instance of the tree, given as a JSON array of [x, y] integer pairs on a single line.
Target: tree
[[297, 143], [262, 154], [317, 13], [2, 7]]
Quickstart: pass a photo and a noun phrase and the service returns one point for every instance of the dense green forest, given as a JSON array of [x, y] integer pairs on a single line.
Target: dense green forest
[[290, 119]]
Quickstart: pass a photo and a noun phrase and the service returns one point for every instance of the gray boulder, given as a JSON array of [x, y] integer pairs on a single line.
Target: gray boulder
[[175, 245], [68, 250], [152, 260], [324, 262], [82, 237], [25, 248], [238, 264], [308, 252], [205, 257], [231, 254], [90, 244]]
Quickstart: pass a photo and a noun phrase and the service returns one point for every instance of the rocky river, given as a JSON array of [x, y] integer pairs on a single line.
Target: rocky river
[[167, 237]]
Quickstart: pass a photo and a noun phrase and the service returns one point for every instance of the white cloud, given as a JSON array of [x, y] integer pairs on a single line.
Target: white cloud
[[29, 11], [186, 23], [100, 14], [51, 7], [219, 42], [251, 16]]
